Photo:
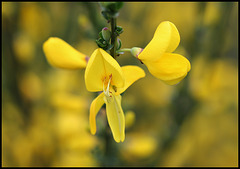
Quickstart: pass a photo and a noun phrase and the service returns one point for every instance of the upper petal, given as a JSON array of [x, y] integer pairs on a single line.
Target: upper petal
[[170, 67], [102, 65], [115, 116], [94, 109], [131, 74], [60, 54], [165, 39]]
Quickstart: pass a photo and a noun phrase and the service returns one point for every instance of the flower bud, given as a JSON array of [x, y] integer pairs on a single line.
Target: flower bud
[[119, 44], [110, 9], [106, 34], [111, 6], [101, 43], [119, 30], [135, 51]]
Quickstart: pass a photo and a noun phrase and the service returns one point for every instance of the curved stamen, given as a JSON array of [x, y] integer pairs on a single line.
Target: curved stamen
[[109, 84], [107, 91]]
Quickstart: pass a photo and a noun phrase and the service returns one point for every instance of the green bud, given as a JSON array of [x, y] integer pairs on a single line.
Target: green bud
[[110, 9], [119, 30], [135, 51], [104, 44], [106, 34], [112, 6], [101, 43], [100, 34], [119, 44]]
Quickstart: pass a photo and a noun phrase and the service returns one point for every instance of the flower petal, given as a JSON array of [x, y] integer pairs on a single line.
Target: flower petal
[[115, 117], [61, 55], [131, 74], [165, 39], [96, 104], [102, 65], [175, 81], [170, 67]]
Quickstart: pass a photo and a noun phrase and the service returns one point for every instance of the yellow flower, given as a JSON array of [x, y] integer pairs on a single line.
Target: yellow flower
[[103, 73], [158, 57], [61, 55], [138, 146]]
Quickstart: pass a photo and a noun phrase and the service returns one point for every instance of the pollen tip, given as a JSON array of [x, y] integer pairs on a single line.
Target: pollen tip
[[105, 28]]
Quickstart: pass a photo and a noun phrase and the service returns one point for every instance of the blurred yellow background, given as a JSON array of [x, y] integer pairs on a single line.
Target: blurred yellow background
[[45, 109]]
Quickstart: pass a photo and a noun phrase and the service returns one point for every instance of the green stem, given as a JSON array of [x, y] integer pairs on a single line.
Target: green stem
[[124, 50], [113, 37], [108, 154]]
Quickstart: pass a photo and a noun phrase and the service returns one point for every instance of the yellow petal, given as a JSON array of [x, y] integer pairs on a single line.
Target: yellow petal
[[175, 81], [170, 67], [101, 65], [165, 40], [131, 74], [61, 55], [115, 117], [94, 108]]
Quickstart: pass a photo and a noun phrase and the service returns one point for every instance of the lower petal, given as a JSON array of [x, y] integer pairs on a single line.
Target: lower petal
[[170, 68], [115, 116], [94, 108], [175, 81]]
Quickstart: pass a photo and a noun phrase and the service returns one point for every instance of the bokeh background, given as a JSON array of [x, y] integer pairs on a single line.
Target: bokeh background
[[45, 109]]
